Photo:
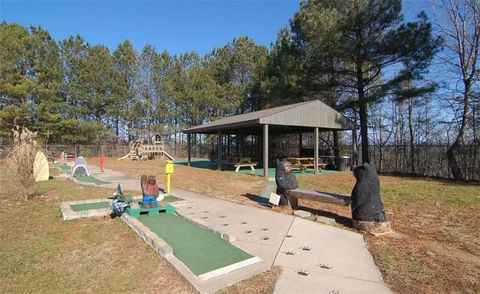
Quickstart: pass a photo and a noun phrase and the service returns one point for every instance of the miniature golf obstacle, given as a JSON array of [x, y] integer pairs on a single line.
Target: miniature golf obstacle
[[41, 171], [287, 188], [80, 168]]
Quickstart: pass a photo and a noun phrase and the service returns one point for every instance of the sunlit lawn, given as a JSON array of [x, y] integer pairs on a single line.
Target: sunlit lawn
[[435, 246], [41, 253]]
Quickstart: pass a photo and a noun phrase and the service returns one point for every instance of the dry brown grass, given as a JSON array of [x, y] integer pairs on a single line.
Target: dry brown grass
[[41, 253], [225, 185], [435, 247], [19, 160], [260, 284]]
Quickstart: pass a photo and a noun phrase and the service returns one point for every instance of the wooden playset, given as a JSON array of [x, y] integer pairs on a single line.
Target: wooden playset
[[141, 151]]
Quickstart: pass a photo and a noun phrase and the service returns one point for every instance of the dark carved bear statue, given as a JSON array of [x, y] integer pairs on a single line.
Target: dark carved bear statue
[[285, 179], [367, 206]]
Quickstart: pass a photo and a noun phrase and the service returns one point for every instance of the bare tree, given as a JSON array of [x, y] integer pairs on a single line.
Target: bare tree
[[461, 31]]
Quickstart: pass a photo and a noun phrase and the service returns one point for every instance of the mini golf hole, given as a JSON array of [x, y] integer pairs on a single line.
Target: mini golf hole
[[302, 273], [224, 225], [248, 231], [305, 248], [266, 238]]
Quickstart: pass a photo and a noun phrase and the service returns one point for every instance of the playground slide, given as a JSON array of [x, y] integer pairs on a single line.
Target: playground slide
[[168, 155], [124, 157]]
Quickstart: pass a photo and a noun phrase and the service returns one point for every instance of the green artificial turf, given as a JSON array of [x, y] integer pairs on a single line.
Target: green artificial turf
[[202, 163], [171, 199], [271, 172], [90, 179], [201, 250], [88, 206], [63, 167]]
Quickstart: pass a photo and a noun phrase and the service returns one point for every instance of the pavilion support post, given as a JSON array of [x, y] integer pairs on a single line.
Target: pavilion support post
[[336, 149], [219, 150], [189, 149], [315, 152], [265, 151], [240, 139], [300, 139]]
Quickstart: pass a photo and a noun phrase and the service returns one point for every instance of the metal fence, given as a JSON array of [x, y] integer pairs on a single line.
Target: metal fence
[[429, 160]]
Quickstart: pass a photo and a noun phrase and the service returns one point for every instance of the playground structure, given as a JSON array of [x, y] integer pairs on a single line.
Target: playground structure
[[141, 151]]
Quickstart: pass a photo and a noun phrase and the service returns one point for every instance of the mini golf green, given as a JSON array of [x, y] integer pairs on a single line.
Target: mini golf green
[[63, 167], [201, 250], [90, 179], [88, 206]]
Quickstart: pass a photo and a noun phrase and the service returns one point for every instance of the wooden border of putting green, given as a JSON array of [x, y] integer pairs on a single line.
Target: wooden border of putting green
[[68, 213], [161, 247]]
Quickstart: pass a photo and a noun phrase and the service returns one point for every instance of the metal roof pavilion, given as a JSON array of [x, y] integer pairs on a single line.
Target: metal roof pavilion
[[288, 118], [293, 118]]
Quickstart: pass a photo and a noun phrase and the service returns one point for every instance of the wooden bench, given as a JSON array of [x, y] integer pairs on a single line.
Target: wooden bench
[[295, 194]]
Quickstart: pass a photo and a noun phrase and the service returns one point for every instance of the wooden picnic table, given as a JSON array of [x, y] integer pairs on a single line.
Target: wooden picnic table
[[303, 163], [238, 161]]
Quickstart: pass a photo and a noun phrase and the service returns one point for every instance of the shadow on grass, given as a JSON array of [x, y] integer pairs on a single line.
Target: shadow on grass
[[342, 220], [258, 199]]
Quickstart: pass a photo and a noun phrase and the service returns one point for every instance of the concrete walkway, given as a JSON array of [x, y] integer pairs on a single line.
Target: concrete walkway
[[315, 258]]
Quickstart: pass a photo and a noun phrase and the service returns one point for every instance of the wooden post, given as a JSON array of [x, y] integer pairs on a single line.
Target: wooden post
[[315, 152], [300, 139], [265, 151], [189, 149], [219, 149]]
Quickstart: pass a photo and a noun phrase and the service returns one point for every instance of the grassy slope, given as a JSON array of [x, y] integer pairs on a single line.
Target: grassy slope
[[42, 253], [436, 244]]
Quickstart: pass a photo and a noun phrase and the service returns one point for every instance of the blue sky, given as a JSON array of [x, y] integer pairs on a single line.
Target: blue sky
[[177, 26]]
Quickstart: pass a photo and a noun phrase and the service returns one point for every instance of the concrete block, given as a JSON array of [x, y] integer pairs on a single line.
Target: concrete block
[[326, 220], [302, 214]]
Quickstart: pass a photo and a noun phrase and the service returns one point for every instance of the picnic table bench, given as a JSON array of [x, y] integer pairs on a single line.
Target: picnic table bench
[[238, 162], [303, 163]]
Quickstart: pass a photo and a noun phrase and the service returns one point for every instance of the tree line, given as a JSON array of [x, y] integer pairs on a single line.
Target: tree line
[[359, 57]]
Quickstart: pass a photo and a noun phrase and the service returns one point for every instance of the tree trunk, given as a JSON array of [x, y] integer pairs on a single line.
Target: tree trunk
[[364, 132], [410, 129], [452, 160]]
